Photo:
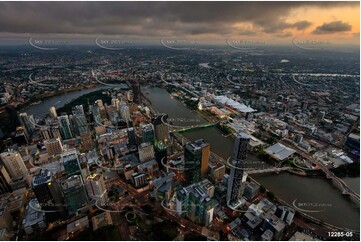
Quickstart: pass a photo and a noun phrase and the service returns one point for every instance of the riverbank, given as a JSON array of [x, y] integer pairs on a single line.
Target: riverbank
[[58, 93], [284, 185], [85, 99], [40, 110], [277, 200], [309, 219]]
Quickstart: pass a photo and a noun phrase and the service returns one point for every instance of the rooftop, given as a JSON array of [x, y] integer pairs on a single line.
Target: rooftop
[[279, 151], [45, 176]]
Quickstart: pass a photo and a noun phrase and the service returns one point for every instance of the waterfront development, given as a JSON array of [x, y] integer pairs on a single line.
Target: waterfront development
[[302, 189], [319, 191]]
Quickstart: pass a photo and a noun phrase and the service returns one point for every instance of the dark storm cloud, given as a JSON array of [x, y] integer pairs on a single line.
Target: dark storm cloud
[[332, 27], [149, 18], [277, 26], [301, 25]]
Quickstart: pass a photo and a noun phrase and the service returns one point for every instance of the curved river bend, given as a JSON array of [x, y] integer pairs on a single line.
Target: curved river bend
[[336, 209]]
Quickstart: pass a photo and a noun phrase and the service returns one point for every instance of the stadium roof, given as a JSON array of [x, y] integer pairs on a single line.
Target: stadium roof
[[279, 151], [235, 105]]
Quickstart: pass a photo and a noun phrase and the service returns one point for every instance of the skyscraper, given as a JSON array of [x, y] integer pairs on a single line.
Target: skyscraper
[[80, 124], [48, 194], [65, 129], [136, 93], [45, 133], [161, 129], [125, 113], [53, 146], [99, 102], [160, 152], [96, 187], [74, 193], [4, 180], [14, 164], [196, 158], [96, 115], [53, 113], [194, 202], [71, 163], [27, 122], [55, 132], [237, 177], [148, 133], [115, 103], [146, 152], [132, 139], [78, 110]]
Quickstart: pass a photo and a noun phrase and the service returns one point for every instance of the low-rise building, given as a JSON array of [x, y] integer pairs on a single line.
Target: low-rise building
[[34, 220], [101, 220], [251, 190]]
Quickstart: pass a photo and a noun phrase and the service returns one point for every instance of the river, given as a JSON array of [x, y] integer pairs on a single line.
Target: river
[[334, 208], [40, 110]]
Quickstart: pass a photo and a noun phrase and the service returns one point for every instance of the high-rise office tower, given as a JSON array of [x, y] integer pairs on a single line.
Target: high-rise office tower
[[96, 187], [55, 132], [45, 133], [102, 110], [160, 153], [194, 202], [125, 113], [99, 103], [146, 152], [161, 129], [79, 123], [196, 158], [137, 95], [14, 165], [28, 123], [115, 103], [148, 133], [53, 146], [96, 115], [20, 137], [74, 193], [237, 177], [47, 192], [132, 139], [78, 110], [4, 180], [71, 163], [65, 129], [53, 113]]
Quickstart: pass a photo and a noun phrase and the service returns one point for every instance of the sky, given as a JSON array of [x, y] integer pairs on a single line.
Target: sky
[[271, 22]]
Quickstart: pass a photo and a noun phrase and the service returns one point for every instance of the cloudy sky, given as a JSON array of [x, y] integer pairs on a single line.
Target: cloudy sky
[[269, 21]]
